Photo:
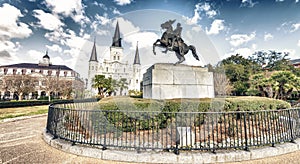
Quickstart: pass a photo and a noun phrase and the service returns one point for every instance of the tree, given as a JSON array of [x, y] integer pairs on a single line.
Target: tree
[[104, 85], [221, 84], [272, 60], [285, 82], [65, 88], [122, 84], [51, 84], [19, 84], [238, 71], [276, 84], [111, 86]]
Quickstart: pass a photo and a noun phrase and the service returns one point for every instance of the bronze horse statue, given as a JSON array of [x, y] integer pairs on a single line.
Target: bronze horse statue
[[173, 42]]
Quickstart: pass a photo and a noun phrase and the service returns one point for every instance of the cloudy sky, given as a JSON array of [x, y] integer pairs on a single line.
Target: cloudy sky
[[218, 29]]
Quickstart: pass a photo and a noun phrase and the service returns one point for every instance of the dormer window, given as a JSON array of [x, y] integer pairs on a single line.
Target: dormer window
[[23, 71], [5, 71]]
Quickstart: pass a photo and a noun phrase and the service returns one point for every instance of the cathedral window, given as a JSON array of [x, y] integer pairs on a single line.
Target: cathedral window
[[106, 69], [124, 70], [118, 57], [114, 57], [92, 67], [137, 81]]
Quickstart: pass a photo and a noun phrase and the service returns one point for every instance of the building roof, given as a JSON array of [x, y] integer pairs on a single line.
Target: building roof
[[295, 61], [94, 53], [116, 42], [137, 55], [36, 66]]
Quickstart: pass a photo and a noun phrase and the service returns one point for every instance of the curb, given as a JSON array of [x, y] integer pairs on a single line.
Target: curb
[[168, 157]]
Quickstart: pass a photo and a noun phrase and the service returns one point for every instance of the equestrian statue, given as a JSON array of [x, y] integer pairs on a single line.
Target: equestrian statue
[[171, 40]]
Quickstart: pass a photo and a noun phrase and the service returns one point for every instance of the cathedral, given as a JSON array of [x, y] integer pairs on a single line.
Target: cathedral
[[115, 67]]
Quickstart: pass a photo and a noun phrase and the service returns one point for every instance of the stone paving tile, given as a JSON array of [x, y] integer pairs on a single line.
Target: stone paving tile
[[21, 142]]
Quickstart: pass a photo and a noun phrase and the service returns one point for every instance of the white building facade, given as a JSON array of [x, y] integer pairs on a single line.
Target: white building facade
[[115, 67], [39, 74]]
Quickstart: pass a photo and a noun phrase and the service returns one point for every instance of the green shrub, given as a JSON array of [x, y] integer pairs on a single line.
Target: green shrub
[[249, 103], [160, 114]]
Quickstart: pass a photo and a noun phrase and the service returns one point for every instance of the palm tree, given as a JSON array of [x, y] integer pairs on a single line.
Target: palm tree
[[99, 82], [122, 85], [111, 86]]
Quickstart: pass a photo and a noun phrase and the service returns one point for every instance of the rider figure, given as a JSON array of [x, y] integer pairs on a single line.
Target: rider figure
[[177, 38]]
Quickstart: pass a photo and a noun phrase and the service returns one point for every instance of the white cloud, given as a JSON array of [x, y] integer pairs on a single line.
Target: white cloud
[[295, 27], [268, 36], [126, 27], [144, 39], [47, 21], [201, 8], [239, 39], [10, 27], [35, 55], [103, 20], [292, 53], [298, 43], [54, 48], [248, 3], [197, 28], [216, 26], [69, 39], [116, 11], [245, 51], [72, 8], [123, 2], [196, 17], [208, 10]]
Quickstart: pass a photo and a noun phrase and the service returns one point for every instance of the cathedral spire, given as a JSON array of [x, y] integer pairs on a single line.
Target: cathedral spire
[[137, 55], [117, 39], [94, 53]]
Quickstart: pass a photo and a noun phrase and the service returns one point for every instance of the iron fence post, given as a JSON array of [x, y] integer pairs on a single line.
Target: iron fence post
[[104, 144], [176, 151], [291, 127], [246, 137]]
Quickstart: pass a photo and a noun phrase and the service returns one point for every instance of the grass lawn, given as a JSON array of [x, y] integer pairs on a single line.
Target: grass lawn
[[22, 111]]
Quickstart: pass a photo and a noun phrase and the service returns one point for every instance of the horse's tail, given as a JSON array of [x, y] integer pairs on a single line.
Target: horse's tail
[[193, 49]]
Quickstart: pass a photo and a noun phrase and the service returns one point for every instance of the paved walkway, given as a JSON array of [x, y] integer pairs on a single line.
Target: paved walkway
[[21, 142]]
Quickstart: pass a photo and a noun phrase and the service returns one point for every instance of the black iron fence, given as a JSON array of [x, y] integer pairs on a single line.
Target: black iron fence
[[172, 131]]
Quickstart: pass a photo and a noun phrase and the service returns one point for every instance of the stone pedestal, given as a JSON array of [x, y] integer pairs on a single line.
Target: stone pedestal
[[168, 81]]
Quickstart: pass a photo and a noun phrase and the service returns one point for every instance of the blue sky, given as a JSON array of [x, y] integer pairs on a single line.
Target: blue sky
[[67, 28]]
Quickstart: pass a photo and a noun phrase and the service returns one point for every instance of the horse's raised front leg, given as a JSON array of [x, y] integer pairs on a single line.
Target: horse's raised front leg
[[154, 45]]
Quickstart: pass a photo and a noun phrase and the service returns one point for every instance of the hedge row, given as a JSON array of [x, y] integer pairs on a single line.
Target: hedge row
[[165, 111], [249, 103]]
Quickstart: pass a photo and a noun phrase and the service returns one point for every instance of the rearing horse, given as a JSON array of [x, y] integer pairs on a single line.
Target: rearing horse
[[167, 39]]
